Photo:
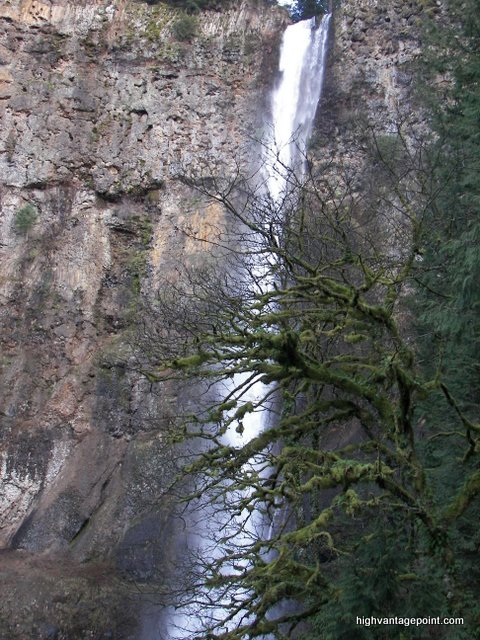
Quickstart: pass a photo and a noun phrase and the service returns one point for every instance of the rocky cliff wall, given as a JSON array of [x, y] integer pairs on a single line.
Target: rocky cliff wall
[[376, 45], [103, 105], [371, 123]]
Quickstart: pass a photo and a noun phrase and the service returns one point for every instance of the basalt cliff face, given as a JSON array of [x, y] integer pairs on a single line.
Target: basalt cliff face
[[104, 107], [370, 90], [371, 119]]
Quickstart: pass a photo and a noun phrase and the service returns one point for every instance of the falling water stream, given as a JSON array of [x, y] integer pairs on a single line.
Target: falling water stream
[[293, 107], [295, 101]]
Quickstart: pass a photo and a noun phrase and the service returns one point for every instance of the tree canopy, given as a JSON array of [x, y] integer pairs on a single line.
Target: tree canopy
[[303, 9]]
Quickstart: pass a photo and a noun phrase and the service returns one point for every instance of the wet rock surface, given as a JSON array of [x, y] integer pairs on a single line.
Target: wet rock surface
[[51, 598]]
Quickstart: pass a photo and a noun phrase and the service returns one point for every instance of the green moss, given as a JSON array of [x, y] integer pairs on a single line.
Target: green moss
[[5, 362], [146, 231], [137, 267], [353, 338]]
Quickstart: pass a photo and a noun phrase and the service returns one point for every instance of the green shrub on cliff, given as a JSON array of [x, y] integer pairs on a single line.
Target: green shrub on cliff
[[304, 9], [24, 219], [185, 28]]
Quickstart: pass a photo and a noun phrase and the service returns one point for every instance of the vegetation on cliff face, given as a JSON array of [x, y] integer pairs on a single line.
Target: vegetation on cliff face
[[303, 9], [367, 350], [299, 9], [194, 5]]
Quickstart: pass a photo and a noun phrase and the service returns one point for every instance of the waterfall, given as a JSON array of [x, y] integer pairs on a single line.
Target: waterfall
[[295, 101], [293, 107], [294, 104]]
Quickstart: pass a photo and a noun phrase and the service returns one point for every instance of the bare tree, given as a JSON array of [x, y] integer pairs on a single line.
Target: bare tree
[[300, 313]]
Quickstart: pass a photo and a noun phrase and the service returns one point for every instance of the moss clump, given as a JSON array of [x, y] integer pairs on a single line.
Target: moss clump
[[137, 268]]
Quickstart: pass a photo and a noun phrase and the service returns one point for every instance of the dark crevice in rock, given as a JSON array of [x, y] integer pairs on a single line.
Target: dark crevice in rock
[[82, 528], [139, 112]]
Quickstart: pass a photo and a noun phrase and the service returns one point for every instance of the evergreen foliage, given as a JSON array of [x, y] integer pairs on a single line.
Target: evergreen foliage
[[447, 296], [24, 219], [303, 9]]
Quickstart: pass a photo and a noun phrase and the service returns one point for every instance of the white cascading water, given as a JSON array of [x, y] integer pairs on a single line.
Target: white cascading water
[[295, 101], [294, 104]]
